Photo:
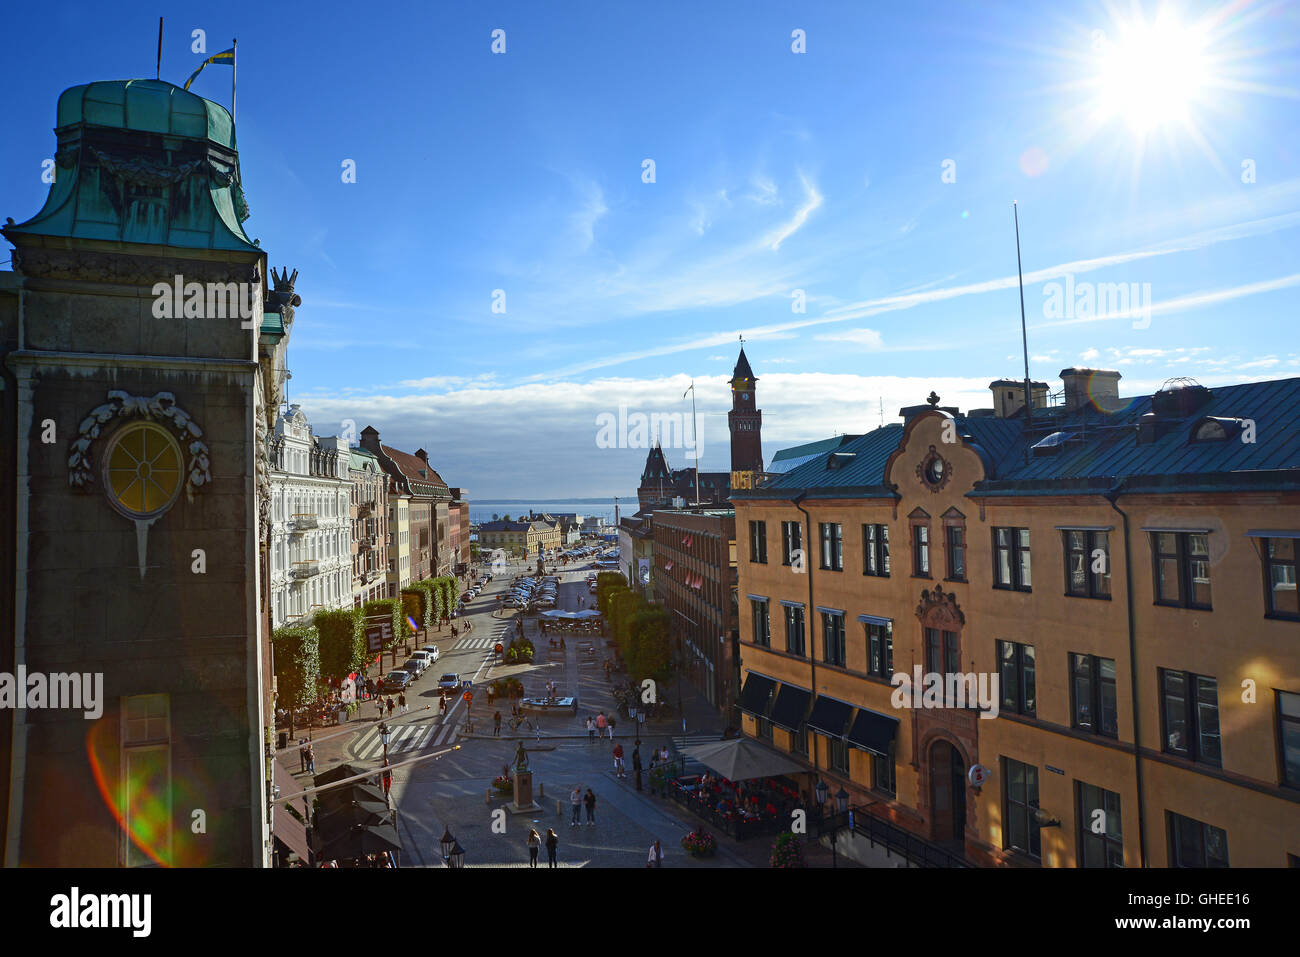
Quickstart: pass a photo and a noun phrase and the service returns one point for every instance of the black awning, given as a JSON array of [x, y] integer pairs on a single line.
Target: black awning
[[830, 716], [791, 707], [873, 731], [756, 696]]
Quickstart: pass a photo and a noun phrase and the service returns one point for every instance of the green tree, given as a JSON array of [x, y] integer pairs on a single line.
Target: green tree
[[297, 667], [391, 608], [341, 642], [623, 604], [649, 651], [605, 581]]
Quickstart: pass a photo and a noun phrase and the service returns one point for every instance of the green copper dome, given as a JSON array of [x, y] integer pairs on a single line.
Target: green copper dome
[[143, 161], [153, 106]]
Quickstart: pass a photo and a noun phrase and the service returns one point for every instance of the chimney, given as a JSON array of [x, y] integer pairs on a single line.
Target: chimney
[[1009, 396], [1099, 387]]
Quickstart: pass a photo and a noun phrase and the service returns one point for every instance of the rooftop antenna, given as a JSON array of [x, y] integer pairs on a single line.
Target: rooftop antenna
[[695, 438], [158, 72], [882, 411], [1024, 337]]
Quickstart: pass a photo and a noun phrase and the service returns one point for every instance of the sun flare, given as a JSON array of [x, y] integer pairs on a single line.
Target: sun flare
[[1151, 74]]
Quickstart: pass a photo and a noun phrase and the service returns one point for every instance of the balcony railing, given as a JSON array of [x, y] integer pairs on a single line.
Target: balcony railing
[[301, 521], [305, 569]]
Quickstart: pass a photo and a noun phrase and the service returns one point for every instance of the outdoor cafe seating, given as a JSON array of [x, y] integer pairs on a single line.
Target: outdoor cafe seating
[[739, 808]]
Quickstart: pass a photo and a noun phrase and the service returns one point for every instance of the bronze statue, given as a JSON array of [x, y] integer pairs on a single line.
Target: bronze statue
[[521, 757]]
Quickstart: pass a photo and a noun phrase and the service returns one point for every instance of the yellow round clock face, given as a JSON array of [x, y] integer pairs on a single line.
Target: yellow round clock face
[[143, 468]]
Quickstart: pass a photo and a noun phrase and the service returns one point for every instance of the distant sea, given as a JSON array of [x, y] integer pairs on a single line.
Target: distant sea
[[602, 507]]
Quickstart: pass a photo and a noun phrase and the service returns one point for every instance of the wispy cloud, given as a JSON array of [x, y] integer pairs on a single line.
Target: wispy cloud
[[812, 201], [862, 337]]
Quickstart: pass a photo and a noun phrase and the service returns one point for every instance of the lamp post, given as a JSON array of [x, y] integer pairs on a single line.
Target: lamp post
[[453, 855], [385, 733]]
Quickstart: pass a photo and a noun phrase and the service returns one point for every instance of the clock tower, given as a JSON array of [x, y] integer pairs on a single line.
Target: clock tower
[[746, 422]]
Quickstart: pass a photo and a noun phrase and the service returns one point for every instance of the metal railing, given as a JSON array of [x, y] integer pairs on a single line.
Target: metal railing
[[301, 521], [894, 839], [305, 569]]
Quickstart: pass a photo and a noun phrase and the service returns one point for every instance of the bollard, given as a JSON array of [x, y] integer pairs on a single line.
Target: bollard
[[541, 790], [558, 811], [487, 796]]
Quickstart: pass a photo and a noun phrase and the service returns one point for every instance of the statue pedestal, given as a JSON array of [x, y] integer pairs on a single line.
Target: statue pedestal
[[523, 802]]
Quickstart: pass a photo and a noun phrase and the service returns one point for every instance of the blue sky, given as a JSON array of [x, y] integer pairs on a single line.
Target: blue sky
[[825, 171]]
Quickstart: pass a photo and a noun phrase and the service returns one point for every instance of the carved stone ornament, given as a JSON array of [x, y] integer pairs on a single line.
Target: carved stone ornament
[[938, 608], [934, 470], [161, 407], [126, 269], [263, 473]]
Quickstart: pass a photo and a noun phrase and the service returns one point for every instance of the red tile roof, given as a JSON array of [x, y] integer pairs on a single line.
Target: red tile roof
[[412, 467]]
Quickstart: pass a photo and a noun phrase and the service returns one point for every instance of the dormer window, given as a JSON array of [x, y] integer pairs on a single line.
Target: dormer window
[[1216, 429]]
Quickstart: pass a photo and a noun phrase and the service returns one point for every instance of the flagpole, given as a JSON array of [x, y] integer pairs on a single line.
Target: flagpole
[[695, 434], [234, 65], [158, 72], [1024, 339]]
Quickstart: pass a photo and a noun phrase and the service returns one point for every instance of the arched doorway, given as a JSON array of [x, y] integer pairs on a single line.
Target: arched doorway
[[947, 793]]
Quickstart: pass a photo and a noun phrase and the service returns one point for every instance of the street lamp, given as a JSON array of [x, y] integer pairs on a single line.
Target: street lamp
[[453, 855]]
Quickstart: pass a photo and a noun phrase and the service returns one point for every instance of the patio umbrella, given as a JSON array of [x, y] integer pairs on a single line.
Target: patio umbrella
[[358, 841], [356, 791], [337, 774], [742, 759], [339, 817]]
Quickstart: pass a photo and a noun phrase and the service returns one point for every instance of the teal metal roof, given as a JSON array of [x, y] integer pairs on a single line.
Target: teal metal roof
[[362, 458], [272, 324], [153, 106], [1102, 448], [144, 161], [787, 459]]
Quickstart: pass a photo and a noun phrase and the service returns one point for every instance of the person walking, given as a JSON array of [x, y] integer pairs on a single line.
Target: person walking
[[611, 727], [379, 703], [618, 761], [590, 800], [311, 759], [636, 766], [575, 800], [401, 701], [496, 724], [591, 728], [656, 856], [601, 724], [442, 705], [552, 845], [390, 707], [534, 845]]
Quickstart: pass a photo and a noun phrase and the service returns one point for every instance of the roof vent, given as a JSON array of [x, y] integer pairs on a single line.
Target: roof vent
[[1180, 397], [837, 460]]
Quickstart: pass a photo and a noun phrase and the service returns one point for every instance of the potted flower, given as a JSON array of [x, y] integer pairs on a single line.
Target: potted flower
[[700, 844], [787, 852]]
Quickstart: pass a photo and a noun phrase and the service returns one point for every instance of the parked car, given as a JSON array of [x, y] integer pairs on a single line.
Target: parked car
[[425, 657], [414, 666], [394, 681], [433, 652]]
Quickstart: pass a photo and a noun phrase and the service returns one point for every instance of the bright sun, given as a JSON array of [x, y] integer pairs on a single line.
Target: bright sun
[[1152, 73]]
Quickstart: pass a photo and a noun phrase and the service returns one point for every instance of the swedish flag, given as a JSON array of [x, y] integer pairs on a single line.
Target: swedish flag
[[226, 56]]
